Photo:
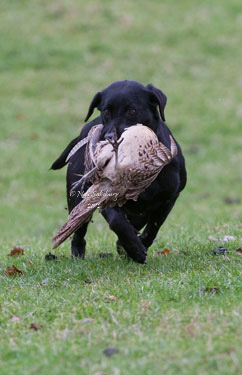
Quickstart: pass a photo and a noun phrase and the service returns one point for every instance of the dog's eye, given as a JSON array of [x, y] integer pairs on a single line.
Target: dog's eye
[[132, 112], [106, 112]]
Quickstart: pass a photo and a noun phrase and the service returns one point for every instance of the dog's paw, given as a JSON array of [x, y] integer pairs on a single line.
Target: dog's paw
[[78, 252], [139, 255]]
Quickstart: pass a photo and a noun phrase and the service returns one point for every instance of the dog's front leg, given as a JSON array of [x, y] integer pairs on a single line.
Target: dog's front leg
[[78, 243], [127, 234]]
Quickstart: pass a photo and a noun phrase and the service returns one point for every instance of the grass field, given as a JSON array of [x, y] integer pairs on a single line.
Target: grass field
[[178, 314]]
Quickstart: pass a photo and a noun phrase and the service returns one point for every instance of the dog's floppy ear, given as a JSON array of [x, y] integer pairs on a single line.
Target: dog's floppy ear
[[94, 103], [61, 161], [159, 98]]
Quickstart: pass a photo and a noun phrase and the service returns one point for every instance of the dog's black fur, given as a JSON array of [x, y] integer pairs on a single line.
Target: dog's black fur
[[123, 104]]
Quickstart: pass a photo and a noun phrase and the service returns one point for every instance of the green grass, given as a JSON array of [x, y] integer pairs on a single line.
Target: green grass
[[166, 318]]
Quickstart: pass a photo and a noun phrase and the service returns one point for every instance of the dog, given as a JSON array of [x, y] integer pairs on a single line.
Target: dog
[[123, 104]]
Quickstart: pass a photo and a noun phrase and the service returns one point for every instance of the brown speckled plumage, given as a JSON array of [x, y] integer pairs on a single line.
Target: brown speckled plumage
[[117, 178]]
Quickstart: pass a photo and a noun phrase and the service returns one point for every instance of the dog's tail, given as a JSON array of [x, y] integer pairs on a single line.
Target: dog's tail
[[61, 161]]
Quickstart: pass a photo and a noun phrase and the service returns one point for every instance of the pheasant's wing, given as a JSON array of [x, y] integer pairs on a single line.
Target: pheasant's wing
[[150, 164], [164, 154]]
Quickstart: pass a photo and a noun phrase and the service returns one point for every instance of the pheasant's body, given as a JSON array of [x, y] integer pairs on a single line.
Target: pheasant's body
[[118, 177]]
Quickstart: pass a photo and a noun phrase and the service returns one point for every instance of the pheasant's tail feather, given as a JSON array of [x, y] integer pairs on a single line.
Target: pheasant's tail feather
[[79, 215], [70, 227]]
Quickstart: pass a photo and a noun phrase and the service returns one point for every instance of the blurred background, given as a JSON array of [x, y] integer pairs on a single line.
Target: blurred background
[[55, 55]]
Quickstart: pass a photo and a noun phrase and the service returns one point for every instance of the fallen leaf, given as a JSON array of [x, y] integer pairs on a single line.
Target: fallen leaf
[[17, 250], [163, 252], [35, 326], [110, 351], [50, 256], [17, 270], [12, 271], [239, 251], [220, 251], [30, 262]]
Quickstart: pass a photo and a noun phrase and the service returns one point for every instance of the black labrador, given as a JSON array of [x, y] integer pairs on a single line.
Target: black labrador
[[123, 104]]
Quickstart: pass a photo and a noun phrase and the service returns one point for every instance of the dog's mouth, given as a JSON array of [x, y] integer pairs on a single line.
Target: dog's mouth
[[109, 135], [114, 130]]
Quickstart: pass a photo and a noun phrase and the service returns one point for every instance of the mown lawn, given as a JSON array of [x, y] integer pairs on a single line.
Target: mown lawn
[[180, 313]]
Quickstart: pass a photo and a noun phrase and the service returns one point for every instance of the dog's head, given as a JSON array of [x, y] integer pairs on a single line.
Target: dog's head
[[126, 103]]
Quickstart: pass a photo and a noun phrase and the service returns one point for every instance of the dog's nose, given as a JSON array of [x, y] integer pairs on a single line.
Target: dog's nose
[[109, 135]]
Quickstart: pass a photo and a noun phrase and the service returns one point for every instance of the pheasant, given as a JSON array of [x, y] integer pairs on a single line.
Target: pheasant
[[118, 170]]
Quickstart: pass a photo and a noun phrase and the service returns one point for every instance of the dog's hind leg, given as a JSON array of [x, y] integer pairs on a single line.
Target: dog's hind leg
[[156, 220]]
